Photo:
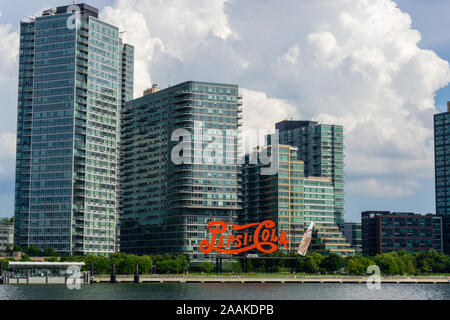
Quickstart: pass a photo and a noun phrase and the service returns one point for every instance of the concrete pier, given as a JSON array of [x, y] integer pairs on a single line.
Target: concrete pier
[[44, 280]]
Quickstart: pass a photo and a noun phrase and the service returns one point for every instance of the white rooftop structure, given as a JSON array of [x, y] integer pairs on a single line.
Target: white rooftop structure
[[19, 264]]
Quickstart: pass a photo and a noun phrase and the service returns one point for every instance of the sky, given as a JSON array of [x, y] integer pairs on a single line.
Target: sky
[[378, 67]]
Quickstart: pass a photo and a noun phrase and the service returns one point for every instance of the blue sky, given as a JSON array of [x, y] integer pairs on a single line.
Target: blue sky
[[177, 43]]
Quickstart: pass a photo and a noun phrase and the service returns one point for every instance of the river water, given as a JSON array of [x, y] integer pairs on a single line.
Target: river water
[[231, 291]]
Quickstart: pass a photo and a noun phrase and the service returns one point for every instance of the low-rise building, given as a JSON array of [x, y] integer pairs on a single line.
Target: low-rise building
[[384, 231]]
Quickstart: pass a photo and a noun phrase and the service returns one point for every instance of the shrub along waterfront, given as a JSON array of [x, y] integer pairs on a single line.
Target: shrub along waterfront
[[125, 263], [393, 263]]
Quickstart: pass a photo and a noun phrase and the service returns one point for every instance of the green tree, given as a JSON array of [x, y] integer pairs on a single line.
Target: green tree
[[358, 265], [432, 261], [207, 267], [171, 263], [409, 261], [165, 266], [181, 263], [124, 263], [9, 248], [25, 258], [145, 264], [390, 263], [5, 263], [332, 262], [102, 265], [8, 221], [447, 264], [49, 252], [311, 263], [71, 258], [33, 251], [51, 259]]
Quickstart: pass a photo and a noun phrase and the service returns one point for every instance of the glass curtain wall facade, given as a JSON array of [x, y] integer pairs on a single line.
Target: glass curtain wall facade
[[278, 197], [70, 96], [321, 147], [292, 200], [353, 233], [165, 207], [442, 171]]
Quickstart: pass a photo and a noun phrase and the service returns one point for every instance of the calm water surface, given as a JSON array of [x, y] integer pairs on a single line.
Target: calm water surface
[[231, 291]]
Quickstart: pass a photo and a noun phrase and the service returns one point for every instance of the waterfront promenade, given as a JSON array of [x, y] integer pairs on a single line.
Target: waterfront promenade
[[271, 279], [243, 279]]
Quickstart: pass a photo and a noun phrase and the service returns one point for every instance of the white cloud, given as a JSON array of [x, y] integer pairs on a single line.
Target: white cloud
[[259, 115], [380, 189], [351, 62], [169, 29], [8, 145], [261, 112], [9, 61], [9, 50], [7, 154]]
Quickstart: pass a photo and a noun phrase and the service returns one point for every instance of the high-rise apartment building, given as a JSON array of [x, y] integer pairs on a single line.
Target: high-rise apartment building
[[442, 171], [321, 148], [6, 236], [166, 204], [383, 231], [74, 78], [292, 200]]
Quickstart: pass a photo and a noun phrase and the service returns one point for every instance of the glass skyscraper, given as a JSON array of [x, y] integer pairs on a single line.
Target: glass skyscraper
[[442, 172], [321, 147], [73, 81], [166, 206], [292, 200]]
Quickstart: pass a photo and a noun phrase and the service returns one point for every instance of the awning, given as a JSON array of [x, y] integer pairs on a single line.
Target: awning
[[15, 264]]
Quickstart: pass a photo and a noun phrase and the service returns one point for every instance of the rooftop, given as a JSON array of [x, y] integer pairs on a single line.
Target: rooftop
[[85, 10], [286, 125], [396, 214], [44, 264]]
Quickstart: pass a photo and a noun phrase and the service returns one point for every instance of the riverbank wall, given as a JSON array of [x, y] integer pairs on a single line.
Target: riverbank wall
[[262, 279]]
